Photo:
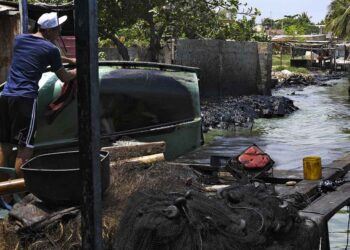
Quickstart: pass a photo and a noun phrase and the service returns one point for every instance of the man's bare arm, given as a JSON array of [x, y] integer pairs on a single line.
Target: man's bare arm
[[68, 60], [66, 75]]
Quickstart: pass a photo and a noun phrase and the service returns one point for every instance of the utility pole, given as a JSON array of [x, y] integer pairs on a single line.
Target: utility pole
[[89, 126]]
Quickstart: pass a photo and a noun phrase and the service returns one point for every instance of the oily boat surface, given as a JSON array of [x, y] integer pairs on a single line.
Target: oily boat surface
[[145, 101]]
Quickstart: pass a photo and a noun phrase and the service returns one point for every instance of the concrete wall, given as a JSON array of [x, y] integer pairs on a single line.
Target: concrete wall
[[227, 67], [265, 67], [9, 29]]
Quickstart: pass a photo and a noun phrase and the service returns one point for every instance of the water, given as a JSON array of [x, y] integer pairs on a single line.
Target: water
[[321, 127], [338, 230]]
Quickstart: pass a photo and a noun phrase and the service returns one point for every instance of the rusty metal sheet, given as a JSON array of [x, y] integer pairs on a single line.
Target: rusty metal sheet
[[7, 10], [8, 30]]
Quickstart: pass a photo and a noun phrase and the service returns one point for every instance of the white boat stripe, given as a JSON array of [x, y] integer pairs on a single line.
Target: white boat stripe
[[32, 122]]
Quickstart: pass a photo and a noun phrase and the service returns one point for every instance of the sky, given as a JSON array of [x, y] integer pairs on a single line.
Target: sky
[[276, 9]]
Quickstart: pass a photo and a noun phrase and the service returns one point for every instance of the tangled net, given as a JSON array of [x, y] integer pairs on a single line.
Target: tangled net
[[156, 220], [243, 216], [246, 215]]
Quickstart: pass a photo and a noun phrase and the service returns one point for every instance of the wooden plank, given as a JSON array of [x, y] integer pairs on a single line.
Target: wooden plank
[[142, 160], [330, 171], [327, 205], [284, 173], [198, 166], [130, 149], [214, 188]]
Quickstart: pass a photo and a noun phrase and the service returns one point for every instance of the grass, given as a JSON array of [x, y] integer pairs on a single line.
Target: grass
[[278, 65], [211, 135], [276, 60]]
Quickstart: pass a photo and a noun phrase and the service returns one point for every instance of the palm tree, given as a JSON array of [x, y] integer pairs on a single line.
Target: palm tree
[[338, 18]]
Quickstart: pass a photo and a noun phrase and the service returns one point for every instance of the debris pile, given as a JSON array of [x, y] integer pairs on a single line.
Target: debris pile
[[241, 111], [286, 78]]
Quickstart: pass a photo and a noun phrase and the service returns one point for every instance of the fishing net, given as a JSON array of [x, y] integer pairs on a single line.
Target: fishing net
[[246, 215], [169, 221], [64, 232]]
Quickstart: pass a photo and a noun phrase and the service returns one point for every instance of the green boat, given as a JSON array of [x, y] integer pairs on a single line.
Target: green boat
[[144, 101]]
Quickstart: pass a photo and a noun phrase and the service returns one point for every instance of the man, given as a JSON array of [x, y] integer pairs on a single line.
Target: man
[[32, 54]]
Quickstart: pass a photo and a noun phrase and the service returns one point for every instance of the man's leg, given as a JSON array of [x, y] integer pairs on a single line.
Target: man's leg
[[23, 155], [5, 131], [23, 129], [5, 151]]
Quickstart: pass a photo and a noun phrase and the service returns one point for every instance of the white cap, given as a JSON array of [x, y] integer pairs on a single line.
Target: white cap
[[50, 20]]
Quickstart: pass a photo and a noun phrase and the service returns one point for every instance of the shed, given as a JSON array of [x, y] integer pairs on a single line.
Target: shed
[[9, 28]]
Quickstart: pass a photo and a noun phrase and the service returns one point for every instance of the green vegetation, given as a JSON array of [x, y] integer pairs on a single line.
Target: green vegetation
[[285, 65], [338, 18], [276, 60], [151, 24], [211, 135], [299, 24]]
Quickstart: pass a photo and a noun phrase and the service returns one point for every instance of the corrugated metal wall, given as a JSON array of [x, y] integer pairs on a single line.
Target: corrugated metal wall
[[9, 28]]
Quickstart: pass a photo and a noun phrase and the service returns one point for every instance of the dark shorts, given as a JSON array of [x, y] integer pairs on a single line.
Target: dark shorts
[[17, 120]]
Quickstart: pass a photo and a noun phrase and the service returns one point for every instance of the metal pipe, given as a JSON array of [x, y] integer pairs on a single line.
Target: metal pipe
[[12, 186], [89, 127]]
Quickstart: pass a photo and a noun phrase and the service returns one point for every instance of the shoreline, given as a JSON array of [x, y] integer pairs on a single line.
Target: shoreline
[[241, 111]]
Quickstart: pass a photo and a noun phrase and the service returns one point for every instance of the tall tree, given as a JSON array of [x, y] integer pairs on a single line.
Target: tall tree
[[298, 24], [268, 23], [157, 19], [338, 18], [112, 16], [189, 18]]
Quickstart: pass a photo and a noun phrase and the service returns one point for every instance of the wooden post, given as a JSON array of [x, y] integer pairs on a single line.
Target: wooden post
[[89, 126], [335, 61], [281, 49], [23, 10]]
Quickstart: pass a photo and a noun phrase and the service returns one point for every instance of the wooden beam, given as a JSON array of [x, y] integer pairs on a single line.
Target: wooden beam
[[134, 149], [89, 122], [142, 160]]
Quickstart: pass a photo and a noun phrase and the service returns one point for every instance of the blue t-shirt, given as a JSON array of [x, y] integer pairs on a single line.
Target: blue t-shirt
[[31, 56]]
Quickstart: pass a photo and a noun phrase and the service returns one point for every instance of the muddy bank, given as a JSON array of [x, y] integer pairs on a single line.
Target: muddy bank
[[230, 112]]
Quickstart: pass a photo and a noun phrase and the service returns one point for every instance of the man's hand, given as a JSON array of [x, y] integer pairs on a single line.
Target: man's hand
[[66, 75], [68, 60]]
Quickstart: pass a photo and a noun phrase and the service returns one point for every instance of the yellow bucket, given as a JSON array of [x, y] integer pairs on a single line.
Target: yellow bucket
[[312, 168]]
